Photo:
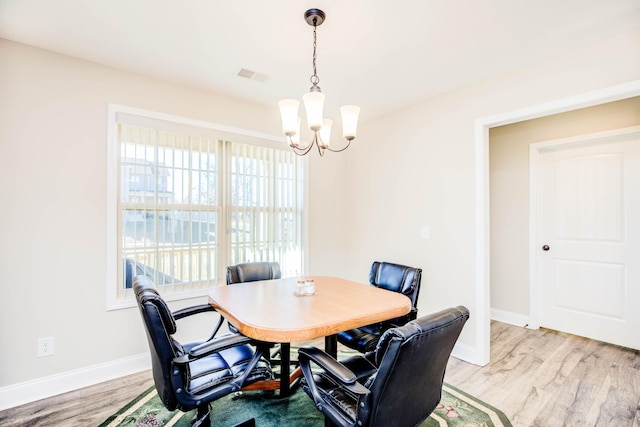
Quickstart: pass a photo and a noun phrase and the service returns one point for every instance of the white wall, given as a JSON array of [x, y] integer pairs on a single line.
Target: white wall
[[416, 167], [329, 218], [53, 144]]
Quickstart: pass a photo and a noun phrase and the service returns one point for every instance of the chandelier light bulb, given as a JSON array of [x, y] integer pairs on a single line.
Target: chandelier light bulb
[[295, 138], [314, 105], [325, 133], [289, 115], [349, 115]]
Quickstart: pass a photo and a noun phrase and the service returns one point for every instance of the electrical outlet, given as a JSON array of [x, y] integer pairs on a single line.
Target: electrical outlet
[[45, 346]]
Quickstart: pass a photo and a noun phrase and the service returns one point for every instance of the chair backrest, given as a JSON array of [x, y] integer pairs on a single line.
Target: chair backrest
[[252, 271], [134, 268], [411, 363], [397, 278], [160, 325]]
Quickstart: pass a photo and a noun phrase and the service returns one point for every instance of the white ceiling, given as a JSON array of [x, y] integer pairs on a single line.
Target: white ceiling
[[382, 55]]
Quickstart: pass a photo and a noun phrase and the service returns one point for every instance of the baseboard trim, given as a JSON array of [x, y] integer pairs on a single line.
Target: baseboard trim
[[510, 317], [41, 388], [472, 354], [466, 353]]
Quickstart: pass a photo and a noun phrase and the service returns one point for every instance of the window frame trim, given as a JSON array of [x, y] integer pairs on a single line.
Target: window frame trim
[[117, 113]]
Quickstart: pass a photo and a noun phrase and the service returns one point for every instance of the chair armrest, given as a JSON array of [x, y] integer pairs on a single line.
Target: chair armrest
[[190, 311], [331, 366], [210, 347], [197, 309]]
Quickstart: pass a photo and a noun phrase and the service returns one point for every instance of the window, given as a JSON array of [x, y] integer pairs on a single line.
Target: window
[[191, 199]]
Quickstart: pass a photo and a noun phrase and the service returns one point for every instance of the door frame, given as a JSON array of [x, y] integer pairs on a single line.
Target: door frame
[[535, 152], [482, 195]]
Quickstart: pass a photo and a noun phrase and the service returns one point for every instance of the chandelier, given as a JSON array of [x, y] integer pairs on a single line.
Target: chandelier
[[313, 104]]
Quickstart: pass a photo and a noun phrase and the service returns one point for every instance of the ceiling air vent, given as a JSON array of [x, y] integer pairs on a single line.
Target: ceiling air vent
[[251, 75], [247, 74]]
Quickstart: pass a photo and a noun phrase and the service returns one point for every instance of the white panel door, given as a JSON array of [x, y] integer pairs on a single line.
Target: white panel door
[[589, 239]]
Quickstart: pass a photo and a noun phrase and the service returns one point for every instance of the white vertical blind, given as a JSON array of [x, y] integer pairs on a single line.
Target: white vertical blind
[[266, 206], [191, 204], [167, 207]]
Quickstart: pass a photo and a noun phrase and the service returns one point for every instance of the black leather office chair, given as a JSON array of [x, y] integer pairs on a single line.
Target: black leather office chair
[[189, 376], [398, 384], [251, 272], [134, 268], [393, 277]]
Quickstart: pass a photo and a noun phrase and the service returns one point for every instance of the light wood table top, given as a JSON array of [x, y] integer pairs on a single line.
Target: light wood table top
[[269, 311]]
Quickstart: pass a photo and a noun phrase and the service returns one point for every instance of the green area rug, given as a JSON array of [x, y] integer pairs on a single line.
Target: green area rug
[[456, 409]]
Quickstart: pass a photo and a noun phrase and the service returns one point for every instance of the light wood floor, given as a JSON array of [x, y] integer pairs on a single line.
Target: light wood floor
[[547, 378], [537, 378]]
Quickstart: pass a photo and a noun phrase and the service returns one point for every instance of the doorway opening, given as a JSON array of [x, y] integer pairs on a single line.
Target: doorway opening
[[482, 127]]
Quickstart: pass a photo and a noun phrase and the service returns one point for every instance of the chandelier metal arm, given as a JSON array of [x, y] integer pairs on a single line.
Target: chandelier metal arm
[[320, 149], [341, 149], [300, 151], [296, 145], [317, 141]]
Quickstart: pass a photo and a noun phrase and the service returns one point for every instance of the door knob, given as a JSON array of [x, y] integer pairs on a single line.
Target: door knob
[[545, 248]]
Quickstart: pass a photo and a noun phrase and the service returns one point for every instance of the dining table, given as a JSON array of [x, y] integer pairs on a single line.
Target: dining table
[[304, 308]]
